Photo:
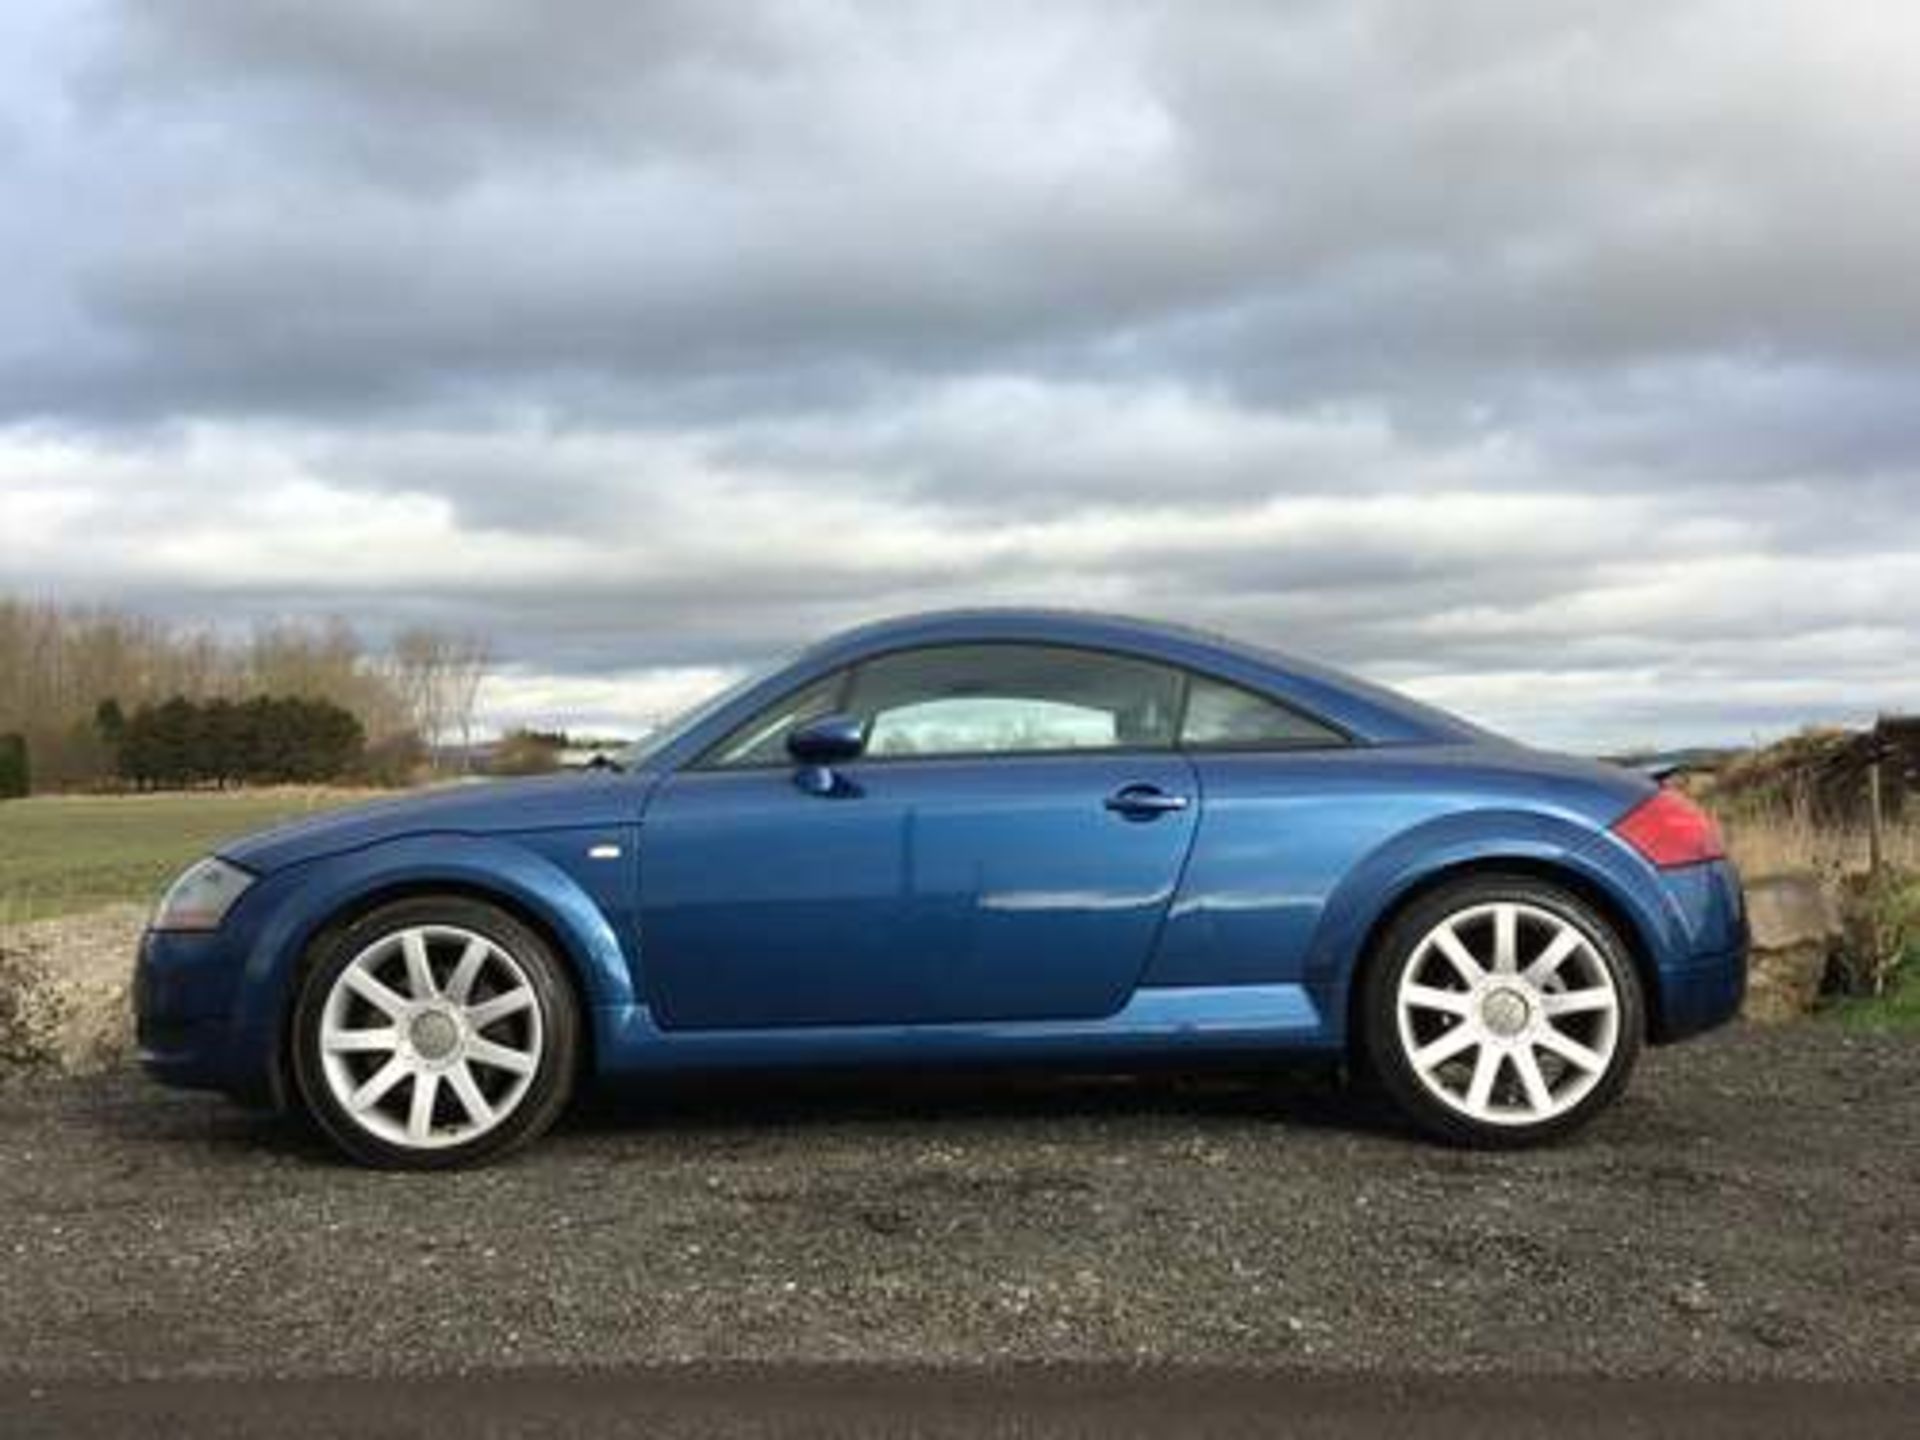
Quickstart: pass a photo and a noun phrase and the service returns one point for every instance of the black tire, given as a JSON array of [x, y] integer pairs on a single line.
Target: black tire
[[1383, 1050], [559, 1018]]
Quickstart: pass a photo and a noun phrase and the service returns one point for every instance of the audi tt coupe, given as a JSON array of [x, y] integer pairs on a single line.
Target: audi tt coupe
[[1032, 837]]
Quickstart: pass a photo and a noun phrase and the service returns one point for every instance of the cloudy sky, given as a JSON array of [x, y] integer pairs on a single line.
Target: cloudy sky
[[1560, 362]]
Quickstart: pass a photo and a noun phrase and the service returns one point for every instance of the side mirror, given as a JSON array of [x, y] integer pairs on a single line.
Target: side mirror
[[827, 740], [818, 746]]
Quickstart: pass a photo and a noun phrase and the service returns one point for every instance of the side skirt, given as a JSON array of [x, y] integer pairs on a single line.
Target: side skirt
[[1162, 1024]]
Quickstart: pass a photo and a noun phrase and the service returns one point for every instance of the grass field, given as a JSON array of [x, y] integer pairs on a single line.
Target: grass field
[[66, 853]]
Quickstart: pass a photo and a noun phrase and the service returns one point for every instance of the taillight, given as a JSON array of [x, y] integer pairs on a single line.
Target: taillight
[[1669, 829]]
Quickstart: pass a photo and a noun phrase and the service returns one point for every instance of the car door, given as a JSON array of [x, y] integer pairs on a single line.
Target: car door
[[1005, 849]]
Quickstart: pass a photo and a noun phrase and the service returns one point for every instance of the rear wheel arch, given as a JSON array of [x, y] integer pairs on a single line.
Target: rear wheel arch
[[1581, 886]]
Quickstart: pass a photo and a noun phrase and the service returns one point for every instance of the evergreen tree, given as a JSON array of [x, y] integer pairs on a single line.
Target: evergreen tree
[[175, 727], [265, 740], [15, 777], [216, 744], [134, 763], [110, 722]]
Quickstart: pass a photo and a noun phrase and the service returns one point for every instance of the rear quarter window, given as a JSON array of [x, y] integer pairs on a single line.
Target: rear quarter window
[[1220, 716]]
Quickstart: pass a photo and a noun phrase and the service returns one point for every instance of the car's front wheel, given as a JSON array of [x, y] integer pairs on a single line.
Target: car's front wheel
[[434, 1032], [1501, 1011]]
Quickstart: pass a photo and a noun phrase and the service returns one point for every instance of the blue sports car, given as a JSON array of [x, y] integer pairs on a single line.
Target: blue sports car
[[1023, 837]]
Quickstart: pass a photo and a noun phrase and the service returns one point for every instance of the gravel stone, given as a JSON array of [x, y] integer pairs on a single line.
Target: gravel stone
[[65, 1005], [1751, 1209]]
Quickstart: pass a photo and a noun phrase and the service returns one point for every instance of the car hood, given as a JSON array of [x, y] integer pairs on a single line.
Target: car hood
[[489, 807]]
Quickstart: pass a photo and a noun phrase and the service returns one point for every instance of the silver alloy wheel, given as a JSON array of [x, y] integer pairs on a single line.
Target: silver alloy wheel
[[1508, 1014], [431, 1036]]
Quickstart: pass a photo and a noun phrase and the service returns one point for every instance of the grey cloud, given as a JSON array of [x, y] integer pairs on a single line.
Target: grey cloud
[[685, 332], [1320, 200], [408, 93]]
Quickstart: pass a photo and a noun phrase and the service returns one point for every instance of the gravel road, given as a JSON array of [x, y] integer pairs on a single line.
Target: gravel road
[[1085, 1402], [1750, 1211]]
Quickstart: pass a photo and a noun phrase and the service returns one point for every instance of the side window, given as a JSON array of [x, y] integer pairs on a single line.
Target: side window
[[1223, 716], [1009, 698], [763, 739]]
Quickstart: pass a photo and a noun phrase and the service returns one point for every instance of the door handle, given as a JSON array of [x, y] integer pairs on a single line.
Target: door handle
[[1143, 802]]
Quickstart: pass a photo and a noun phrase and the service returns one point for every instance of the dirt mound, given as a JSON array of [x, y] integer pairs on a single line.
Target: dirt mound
[[64, 1005]]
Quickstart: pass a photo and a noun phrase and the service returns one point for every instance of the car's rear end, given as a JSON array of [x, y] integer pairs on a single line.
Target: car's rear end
[[1700, 956]]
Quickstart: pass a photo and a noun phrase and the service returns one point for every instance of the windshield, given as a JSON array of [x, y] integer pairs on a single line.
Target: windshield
[[654, 741]]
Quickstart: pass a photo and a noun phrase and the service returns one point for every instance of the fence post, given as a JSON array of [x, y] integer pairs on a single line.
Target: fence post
[[1876, 812]]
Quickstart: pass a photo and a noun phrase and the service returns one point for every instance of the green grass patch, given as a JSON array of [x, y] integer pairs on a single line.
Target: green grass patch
[[65, 853], [1898, 1008]]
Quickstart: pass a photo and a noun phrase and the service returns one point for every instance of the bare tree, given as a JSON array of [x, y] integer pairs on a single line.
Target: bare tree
[[416, 660], [438, 675], [324, 661], [471, 658]]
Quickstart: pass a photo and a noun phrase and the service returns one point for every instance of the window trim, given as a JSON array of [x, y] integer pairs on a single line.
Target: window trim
[[1342, 737]]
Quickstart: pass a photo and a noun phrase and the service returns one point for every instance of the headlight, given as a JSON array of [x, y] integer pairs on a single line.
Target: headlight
[[201, 897]]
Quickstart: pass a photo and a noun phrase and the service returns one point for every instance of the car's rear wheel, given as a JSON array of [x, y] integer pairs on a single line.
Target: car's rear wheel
[[434, 1032], [1501, 1011]]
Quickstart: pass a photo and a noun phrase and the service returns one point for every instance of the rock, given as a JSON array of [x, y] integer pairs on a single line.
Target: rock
[[1796, 928], [1692, 1298], [64, 1003]]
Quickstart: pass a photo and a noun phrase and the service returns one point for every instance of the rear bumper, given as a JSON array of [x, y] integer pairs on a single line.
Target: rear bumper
[[1703, 977], [1702, 995]]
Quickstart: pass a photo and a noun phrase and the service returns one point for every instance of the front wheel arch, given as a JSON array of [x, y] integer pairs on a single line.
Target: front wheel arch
[[1574, 882], [361, 905]]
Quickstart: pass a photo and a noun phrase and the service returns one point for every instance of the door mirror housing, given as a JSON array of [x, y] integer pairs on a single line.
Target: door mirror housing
[[827, 740], [818, 746]]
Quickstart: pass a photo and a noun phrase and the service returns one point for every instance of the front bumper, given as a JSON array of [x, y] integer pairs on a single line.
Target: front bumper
[[185, 988]]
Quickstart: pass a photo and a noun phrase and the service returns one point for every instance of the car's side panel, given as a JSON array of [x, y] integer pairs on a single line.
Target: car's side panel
[[922, 891], [1284, 836], [1277, 835], [1299, 856]]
